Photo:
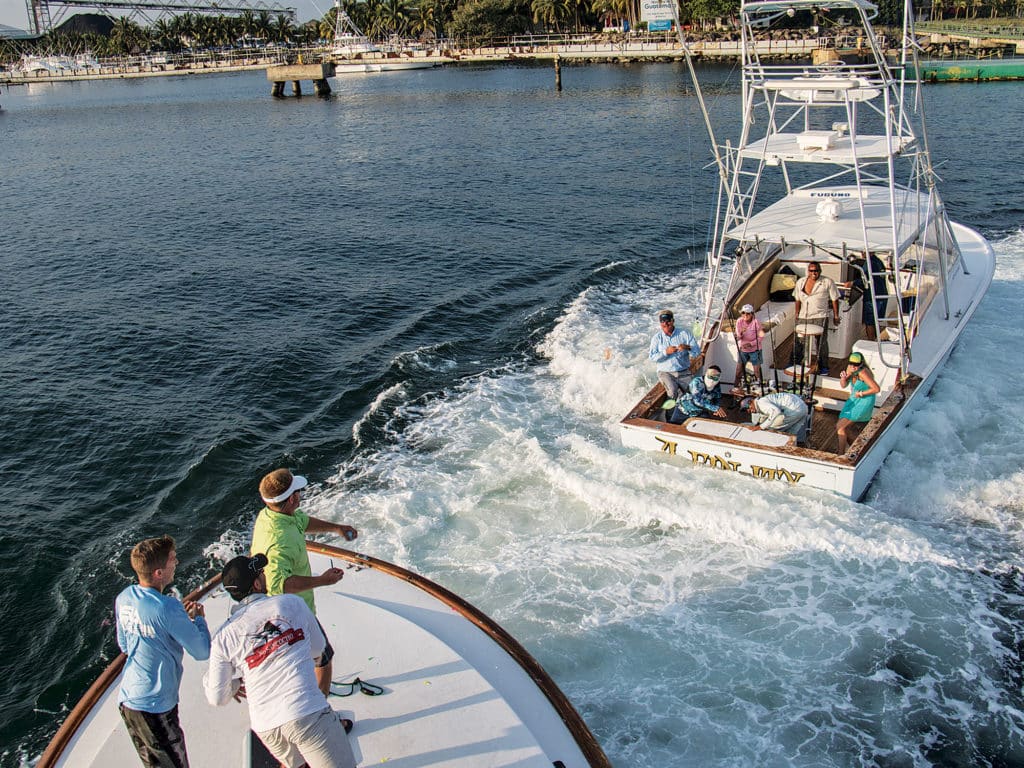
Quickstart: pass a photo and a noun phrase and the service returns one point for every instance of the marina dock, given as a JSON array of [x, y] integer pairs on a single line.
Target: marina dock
[[573, 51], [584, 49]]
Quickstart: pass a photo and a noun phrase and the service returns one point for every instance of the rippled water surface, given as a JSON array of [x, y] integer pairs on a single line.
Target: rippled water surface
[[432, 294]]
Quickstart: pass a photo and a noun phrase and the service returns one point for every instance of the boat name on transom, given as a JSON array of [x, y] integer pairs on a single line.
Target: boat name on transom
[[712, 460]]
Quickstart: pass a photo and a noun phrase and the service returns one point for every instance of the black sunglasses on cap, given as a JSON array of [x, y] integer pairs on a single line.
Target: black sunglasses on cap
[[665, 318]]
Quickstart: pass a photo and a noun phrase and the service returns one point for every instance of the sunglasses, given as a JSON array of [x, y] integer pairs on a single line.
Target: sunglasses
[[666, 318], [814, 271], [347, 689], [713, 377]]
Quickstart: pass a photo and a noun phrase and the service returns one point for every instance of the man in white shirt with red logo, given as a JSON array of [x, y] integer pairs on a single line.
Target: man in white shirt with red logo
[[265, 652]]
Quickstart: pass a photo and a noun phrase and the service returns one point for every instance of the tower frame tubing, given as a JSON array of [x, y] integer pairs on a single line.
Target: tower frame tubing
[[41, 19]]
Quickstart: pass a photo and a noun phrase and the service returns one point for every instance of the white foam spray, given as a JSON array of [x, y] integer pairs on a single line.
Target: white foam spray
[[696, 617]]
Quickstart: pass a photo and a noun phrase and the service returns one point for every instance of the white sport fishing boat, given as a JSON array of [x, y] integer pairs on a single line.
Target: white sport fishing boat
[[457, 689], [831, 166], [355, 53]]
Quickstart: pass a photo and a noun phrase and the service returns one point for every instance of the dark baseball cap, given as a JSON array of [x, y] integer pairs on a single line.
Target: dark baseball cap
[[239, 574]]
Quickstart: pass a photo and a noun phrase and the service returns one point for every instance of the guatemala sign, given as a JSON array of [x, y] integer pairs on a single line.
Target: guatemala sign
[[656, 10]]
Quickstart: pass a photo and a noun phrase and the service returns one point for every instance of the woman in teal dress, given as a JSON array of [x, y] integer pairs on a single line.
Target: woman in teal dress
[[861, 402]]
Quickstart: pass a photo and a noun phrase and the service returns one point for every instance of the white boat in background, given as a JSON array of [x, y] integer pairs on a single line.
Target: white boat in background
[[56, 65], [457, 689], [342, 67], [349, 40], [845, 144], [355, 53]]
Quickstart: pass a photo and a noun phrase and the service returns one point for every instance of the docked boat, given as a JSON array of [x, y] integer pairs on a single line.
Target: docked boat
[[355, 53], [456, 689], [972, 70], [831, 170]]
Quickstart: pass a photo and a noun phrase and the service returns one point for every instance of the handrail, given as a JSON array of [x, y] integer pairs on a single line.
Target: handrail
[[81, 710], [586, 741]]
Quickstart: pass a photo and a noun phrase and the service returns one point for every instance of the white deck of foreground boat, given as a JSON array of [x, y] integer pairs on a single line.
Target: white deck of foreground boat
[[453, 696]]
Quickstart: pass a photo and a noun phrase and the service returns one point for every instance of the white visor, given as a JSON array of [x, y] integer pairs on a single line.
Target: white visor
[[298, 483]]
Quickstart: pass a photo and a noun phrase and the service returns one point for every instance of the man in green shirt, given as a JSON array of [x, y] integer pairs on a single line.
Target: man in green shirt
[[280, 534]]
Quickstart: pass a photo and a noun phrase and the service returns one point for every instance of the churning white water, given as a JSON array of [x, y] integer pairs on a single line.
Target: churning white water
[[697, 617]]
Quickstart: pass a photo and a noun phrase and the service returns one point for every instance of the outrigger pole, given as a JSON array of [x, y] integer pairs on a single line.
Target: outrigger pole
[[723, 173]]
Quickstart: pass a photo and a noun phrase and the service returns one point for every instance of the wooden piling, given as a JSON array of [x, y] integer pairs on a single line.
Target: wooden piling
[[558, 73]]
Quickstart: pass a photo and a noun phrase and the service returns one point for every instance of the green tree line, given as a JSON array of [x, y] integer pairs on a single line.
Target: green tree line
[[462, 20], [379, 19]]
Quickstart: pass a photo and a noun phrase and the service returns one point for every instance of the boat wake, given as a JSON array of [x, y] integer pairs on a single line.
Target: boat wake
[[696, 617]]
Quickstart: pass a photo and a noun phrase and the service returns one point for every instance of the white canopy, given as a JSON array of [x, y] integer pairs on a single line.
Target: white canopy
[[795, 219]]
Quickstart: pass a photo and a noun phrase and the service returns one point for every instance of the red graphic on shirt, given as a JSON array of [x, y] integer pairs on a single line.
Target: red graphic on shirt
[[261, 652]]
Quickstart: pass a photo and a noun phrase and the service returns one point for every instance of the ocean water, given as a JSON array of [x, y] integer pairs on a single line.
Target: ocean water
[[432, 294]]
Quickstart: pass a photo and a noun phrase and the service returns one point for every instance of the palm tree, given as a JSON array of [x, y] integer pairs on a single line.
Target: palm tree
[[162, 36], [422, 20], [282, 29], [206, 31], [184, 27], [126, 35], [617, 9], [328, 23], [225, 31], [247, 23], [264, 25], [394, 17], [549, 13]]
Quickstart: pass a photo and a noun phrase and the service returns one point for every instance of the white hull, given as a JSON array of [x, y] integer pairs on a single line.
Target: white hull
[[850, 475], [383, 65], [356, 54], [845, 265], [455, 685]]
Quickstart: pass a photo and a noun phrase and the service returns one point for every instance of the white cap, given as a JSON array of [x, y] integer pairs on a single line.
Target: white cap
[[747, 308], [297, 484]]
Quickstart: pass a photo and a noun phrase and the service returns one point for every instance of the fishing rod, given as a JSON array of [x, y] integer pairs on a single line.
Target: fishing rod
[[771, 325], [816, 369], [771, 340]]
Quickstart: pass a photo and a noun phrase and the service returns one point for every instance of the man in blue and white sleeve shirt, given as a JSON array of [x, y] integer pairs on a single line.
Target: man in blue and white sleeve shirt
[[154, 630], [670, 349]]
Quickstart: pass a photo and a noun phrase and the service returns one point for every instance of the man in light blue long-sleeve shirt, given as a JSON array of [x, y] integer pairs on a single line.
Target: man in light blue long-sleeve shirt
[[670, 349], [154, 630]]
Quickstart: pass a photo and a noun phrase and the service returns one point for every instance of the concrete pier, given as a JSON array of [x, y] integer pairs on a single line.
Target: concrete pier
[[296, 73]]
